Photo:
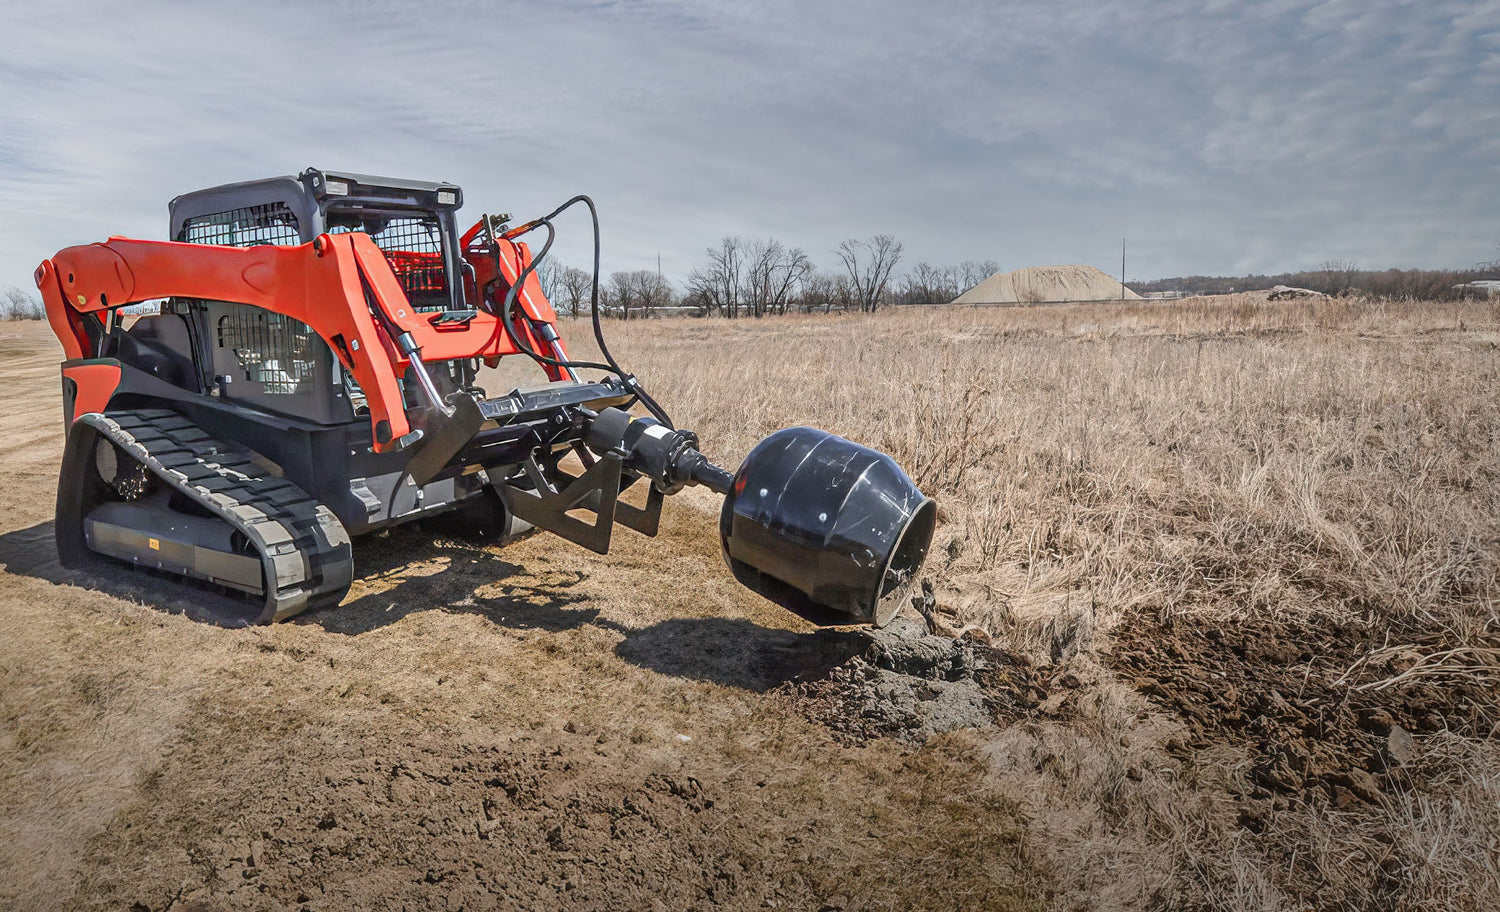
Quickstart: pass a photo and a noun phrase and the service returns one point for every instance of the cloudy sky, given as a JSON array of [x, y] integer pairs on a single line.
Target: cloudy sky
[[1218, 137]]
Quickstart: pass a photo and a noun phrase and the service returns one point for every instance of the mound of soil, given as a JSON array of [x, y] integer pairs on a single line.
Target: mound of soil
[[909, 684], [1047, 284], [1275, 687]]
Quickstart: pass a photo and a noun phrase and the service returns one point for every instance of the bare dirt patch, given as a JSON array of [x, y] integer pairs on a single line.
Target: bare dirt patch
[[481, 725], [1282, 688]]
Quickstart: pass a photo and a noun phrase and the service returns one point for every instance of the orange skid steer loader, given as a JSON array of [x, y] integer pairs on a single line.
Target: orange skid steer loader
[[311, 376]]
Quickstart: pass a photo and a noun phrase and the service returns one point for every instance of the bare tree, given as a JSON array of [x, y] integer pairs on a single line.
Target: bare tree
[[621, 293], [694, 298], [575, 287], [773, 275], [972, 272], [652, 290], [1492, 265], [639, 292], [1338, 276], [548, 275], [20, 304], [790, 278], [719, 283], [869, 265], [749, 277], [567, 287], [825, 291], [929, 285]]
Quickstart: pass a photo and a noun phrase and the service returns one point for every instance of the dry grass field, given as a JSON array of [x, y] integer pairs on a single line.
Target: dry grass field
[[1276, 522], [1247, 552]]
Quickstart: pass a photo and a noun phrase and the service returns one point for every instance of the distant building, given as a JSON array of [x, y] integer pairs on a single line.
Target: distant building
[[1484, 288]]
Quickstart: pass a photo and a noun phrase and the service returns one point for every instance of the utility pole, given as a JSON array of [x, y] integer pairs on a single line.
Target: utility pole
[[1122, 269]]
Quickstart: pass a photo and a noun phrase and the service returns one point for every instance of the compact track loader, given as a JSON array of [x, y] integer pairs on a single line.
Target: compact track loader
[[311, 376]]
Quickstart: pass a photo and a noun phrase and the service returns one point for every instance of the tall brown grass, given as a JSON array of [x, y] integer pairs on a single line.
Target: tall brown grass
[[1231, 456], [1228, 457]]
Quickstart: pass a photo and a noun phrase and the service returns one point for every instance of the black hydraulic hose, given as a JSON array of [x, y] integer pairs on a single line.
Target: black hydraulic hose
[[507, 308], [507, 321]]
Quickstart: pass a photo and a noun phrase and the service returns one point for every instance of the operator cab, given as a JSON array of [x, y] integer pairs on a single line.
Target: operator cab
[[273, 362], [412, 222]]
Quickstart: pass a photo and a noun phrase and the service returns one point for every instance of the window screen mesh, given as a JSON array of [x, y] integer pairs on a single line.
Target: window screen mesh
[[414, 247], [272, 223], [413, 244], [275, 351]]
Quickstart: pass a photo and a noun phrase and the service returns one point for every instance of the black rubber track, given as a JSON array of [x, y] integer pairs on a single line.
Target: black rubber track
[[303, 547]]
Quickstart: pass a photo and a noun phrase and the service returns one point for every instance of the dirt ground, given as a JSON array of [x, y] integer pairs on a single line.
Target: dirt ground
[[523, 725]]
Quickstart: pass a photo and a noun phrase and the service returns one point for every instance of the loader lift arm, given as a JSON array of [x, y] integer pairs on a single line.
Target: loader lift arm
[[341, 286]]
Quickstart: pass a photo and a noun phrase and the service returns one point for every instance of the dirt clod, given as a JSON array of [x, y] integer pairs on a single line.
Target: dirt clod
[[910, 684], [1400, 749]]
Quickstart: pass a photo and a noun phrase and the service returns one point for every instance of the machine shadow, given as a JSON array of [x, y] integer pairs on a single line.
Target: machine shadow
[[33, 552], [461, 575], [415, 572], [411, 571], [738, 653], [455, 574]]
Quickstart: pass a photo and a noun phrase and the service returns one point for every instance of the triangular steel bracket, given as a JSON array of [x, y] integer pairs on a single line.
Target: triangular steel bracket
[[596, 490]]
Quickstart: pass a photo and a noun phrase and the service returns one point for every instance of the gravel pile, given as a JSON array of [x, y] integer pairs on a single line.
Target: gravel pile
[[1046, 285]]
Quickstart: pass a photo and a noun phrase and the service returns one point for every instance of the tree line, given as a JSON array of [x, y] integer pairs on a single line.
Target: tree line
[[19, 304], [742, 277], [1338, 278], [757, 277], [738, 278]]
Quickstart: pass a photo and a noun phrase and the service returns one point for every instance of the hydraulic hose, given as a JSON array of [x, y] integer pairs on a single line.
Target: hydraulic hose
[[507, 309]]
